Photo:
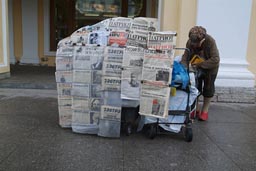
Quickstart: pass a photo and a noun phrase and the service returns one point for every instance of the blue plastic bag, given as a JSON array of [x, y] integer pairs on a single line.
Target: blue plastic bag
[[179, 75]]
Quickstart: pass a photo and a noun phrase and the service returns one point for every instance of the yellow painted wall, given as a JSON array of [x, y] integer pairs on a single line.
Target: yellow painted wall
[[179, 16], [251, 50], [4, 68]]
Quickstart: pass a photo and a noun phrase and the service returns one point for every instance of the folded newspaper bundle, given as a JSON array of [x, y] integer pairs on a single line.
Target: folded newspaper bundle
[[116, 62]]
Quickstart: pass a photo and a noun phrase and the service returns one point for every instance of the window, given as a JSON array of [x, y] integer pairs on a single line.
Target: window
[[66, 16]]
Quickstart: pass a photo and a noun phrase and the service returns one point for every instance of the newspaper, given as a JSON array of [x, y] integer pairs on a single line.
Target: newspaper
[[145, 24], [113, 54], [64, 101], [98, 38], [133, 56], [64, 51], [131, 82], [137, 38], [117, 38], [96, 91], [80, 36], [157, 74], [95, 104], [64, 90], [80, 103], [82, 76], [120, 24], [162, 40], [111, 83], [112, 98], [63, 76], [64, 63], [110, 113], [80, 90], [112, 69], [96, 77], [80, 117], [65, 116], [88, 57], [66, 42], [154, 100], [101, 26]]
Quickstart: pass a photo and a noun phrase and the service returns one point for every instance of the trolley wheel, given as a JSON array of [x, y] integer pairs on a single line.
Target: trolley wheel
[[151, 133], [188, 134], [128, 129]]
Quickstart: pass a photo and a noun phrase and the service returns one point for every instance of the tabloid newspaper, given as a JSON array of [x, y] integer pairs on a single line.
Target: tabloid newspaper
[[145, 24], [65, 51], [80, 90], [113, 54], [154, 100], [64, 76], [137, 38], [131, 82], [117, 38], [64, 90], [162, 40], [96, 91], [81, 117], [120, 24], [101, 26], [96, 77], [65, 116], [111, 83], [80, 103], [98, 38], [82, 76], [112, 69], [88, 57], [64, 101], [157, 66], [110, 113], [64, 63], [80, 37], [66, 42], [133, 56]]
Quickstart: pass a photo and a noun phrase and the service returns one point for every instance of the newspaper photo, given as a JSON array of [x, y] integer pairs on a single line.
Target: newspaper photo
[[82, 76], [80, 90], [120, 24], [65, 116], [117, 38], [162, 40], [154, 100], [80, 103], [64, 63], [64, 76], [145, 24], [111, 83], [80, 37], [110, 113], [96, 77], [96, 91], [137, 38], [113, 54], [133, 56], [95, 104], [98, 38], [64, 90], [113, 69], [88, 57]]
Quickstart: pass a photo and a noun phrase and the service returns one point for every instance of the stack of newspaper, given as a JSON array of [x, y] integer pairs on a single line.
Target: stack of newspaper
[[100, 66]]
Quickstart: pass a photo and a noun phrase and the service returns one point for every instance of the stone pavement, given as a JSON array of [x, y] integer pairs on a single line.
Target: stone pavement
[[30, 139]]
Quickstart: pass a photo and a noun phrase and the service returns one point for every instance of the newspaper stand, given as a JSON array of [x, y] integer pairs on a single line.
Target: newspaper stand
[[153, 128]]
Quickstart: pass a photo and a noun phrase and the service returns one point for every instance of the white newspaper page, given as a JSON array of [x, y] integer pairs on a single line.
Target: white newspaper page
[[111, 83], [117, 38], [64, 51], [110, 113], [120, 24], [64, 90], [113, 54], [82, 76], [137, 38], [80, 103], [64, 76], [131, 83], [65, 116], [66, 42], [80, 117], [80, 37], [81, 90], [113, 69], [162, 40], [64, 63], [145, 24], [133, 57], [154, 101]]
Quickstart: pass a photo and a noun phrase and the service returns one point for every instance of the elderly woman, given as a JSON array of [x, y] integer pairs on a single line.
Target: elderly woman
[[204, 47]]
